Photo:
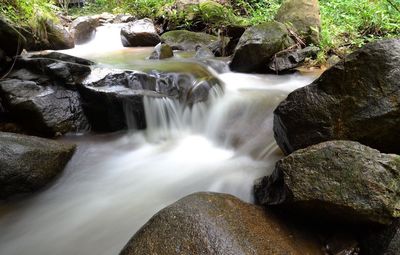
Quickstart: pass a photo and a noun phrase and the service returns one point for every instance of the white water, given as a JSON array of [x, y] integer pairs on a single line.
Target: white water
[[115, 183]]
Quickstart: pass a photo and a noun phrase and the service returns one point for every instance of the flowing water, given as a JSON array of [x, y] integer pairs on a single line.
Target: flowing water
[[116, 182]]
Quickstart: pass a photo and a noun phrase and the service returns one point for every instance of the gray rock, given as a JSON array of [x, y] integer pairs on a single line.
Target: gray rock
[[258, 45], [203, 52], [162, 51], [304, 16], [10, 46], [61, 67], [189, 41], [140, 33], [211, 223], [45, 110], [358, 99], [29, 163], [83, 29], [287, 60], [337, 180]]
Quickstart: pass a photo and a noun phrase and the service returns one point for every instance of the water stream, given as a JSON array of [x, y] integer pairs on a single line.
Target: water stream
[[116, 182]]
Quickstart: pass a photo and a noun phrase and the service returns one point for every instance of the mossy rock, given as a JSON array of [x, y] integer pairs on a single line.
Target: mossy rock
[[303, 16], [187, 40], [258, 45], [29, 163]]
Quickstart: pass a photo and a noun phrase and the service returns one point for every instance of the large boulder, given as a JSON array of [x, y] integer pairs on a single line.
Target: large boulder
[[336, 180], [47, 110], [211, 223], [357, 99], [61, 67], [9, 46], [83, 29], [189, 41], [28, 163], [139, 33], [304, 16], [55, 37], [258, 45]]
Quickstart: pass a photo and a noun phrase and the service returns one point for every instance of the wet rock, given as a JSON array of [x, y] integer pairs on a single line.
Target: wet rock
[[162, 51], [105, 18], [211, 223], [188, 41], [62, 67], [140, 33], [83, 29], [287, 60], [46, 110], [258, 45], [333, 60], [337, 180], [358, 99], [29, 163], [123, 18], [304, 15], [220, 66]]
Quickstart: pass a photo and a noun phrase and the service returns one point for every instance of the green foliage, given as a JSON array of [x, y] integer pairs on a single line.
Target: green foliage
[[350, 24]]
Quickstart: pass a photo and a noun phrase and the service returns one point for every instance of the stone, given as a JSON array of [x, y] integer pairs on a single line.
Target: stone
[[381, 240], [29, 163], [258, 45], [357, 99], [340, 181], [139, 33], [189, 41], [203, 52], [83, 29], [304, 16], [288, 60], [14, 38], [162, 51], [212, 223], [61, 67], [45, 110], [56, 38]]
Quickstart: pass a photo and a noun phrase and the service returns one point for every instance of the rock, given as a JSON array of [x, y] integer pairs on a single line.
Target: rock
[[211, 223], [381, 240], [258, 45], [62, 67], [29, 163], [105, 100], [45, 110], [188, 41], [58, 37], [83, 29], [10, 46], [338, 180], [123, 18], [162, 51], [304, 15], [203, 52], [139, 33], [220, 66], [358, 99], [105, 18], [287, 60], [333, 60]]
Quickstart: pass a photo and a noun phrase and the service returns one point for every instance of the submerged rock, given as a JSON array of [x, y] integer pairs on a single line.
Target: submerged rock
[[46, 110], [189, 41], [162, 51], [83, 29], [139, 33], [304, 16], [211, 223], [338, 180], [29, 163], [357, 99], [258, 45]]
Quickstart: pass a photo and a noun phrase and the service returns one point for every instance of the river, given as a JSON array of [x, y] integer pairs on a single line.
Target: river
[[116, 182]]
